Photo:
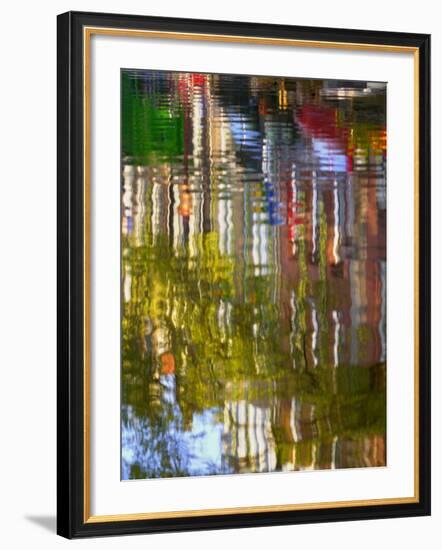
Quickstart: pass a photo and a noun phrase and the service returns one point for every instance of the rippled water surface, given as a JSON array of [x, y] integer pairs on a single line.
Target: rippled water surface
[[253, 274]]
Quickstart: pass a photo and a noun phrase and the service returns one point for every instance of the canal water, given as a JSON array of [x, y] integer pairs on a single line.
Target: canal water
[[253, 274]]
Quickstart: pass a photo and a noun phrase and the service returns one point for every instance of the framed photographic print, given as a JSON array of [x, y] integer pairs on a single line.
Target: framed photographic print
[[243, 274]]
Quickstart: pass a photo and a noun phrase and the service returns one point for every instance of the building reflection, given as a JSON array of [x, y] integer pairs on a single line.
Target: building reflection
[[253, 274]]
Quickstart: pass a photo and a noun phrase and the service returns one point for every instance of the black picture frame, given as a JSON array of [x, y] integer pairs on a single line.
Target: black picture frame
[[72, 393]]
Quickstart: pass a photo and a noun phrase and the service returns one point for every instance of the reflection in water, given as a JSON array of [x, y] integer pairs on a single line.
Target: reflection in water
[[253, 274]]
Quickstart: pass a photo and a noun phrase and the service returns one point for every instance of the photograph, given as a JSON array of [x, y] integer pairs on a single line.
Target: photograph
[[253, 274], [221, 274], [243, 265]]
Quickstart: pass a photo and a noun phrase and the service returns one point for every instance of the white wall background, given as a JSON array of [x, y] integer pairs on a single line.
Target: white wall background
[[28, 278]]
